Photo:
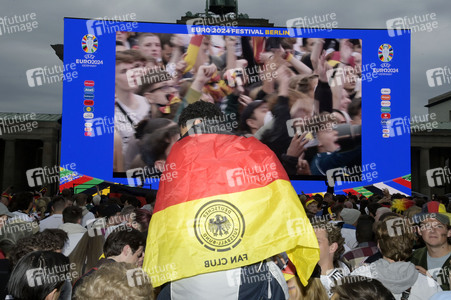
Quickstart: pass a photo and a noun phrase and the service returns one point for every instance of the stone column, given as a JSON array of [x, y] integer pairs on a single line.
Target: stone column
[[9, 161], [424, 166]]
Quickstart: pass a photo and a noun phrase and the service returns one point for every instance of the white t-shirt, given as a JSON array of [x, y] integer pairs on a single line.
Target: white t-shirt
[[52, 222], [122, 123]]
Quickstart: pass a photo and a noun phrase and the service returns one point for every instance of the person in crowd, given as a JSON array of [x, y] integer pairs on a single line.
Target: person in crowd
[[366, 242], [311, 208], [130, 108], [140, 219], [329, 155], [381, 211], [67, 195], [151, 197], [21, 206], [208, 283], [253, 117], [395, 239], [132, 201], [155, 147], [122, 220], [121, 246], [160, 90], [150, 46], [116, 281], [331, 245], [72, 216], [55, 220], [359, 287], [41, 205], [350, 217], [87, 216], [435, 257], [50, 272], [47, 240], [122, 36]]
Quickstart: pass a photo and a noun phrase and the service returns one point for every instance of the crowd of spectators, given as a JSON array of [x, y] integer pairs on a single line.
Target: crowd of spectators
[[381, 247], [299, 96]]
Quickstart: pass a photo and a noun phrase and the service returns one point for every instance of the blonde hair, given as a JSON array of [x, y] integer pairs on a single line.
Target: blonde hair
[[111, 281], [313, 291]]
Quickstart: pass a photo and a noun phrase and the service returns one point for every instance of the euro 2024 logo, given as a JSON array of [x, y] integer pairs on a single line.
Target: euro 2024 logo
[[89, 43]]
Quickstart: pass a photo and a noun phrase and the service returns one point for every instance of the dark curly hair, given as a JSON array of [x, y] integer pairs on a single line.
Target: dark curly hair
[[199, 109]]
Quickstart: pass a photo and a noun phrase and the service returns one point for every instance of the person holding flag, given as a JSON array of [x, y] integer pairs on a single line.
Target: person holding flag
[[219, 221]]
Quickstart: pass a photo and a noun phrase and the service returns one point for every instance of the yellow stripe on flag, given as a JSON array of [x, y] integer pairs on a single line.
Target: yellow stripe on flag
[[228, 231]]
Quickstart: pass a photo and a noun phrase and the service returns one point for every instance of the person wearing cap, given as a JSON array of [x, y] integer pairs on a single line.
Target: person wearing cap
[[350, 217], [311, 207], [435, 230]]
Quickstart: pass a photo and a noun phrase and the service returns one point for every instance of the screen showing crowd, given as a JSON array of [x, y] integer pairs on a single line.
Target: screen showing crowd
[[299, 96]]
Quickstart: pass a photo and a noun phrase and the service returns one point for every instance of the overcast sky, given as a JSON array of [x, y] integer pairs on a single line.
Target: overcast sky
[[28, 50]]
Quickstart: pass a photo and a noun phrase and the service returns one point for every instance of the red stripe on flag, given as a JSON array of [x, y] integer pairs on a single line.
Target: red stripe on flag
[[196, 40], [258, 44], [403, 182], [221, 163]]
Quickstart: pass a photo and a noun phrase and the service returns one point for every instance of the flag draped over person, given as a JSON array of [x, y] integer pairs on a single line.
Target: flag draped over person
[[228, 204]]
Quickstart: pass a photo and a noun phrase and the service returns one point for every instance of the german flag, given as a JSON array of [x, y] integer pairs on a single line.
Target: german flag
[[258, 44], [193, 51], [224, 202]]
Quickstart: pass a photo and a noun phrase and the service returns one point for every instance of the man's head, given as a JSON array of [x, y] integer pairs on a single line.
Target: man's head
[[364, 229], [311, 206], [125, 246], [132, 201], [198, 110], [81, 199], [67, 194], [166, 47], [72, 214], [58, 204], [150, 46], [157, 87], [395, 238], [126, 80], [330, 242], [328, 198], [435, 230], [253, 116], [307, 44]]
